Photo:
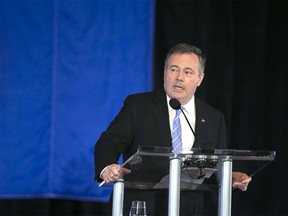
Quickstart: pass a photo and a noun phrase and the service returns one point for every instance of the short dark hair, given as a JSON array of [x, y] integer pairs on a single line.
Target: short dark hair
[[183, 48]]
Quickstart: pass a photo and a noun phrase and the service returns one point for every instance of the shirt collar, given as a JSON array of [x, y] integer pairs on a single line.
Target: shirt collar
[[189, 107]]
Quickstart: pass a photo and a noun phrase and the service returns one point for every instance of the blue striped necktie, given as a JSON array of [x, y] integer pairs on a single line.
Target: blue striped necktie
[[177, 133]]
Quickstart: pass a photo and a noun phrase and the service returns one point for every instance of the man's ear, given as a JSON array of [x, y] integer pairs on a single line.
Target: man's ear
[[201, 77]]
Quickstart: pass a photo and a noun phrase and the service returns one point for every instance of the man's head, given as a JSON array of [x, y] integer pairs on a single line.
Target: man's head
[[183, 72]]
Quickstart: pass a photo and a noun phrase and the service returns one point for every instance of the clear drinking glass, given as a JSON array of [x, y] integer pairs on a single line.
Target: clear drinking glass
[[138, 208]]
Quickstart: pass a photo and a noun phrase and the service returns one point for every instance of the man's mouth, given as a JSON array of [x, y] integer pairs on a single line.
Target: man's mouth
[[178, 88]]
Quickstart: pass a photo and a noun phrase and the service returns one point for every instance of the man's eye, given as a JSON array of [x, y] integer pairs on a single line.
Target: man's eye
[[189, 73]]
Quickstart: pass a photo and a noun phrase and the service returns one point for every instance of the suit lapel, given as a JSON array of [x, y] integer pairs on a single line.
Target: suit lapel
[[200, 124], [160, 112]]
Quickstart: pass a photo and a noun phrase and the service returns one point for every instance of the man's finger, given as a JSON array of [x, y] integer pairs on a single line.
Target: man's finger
[[126, 171]]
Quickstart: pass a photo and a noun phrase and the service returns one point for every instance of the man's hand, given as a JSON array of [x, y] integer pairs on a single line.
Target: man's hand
[[113, 172], [240, 180]]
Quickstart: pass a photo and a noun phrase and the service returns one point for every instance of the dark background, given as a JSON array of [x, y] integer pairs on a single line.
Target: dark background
[[246, 45]]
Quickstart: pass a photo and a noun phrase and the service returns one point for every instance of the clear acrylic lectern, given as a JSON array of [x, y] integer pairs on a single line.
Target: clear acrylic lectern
[[190, 170]]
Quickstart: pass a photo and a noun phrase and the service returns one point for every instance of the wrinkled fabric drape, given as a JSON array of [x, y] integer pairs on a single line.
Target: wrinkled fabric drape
[[65, 68]]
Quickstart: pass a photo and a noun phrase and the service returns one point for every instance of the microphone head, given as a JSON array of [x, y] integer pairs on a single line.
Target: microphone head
[[175, 104]]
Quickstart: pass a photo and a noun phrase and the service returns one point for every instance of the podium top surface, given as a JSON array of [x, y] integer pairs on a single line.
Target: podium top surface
[[265, 155], [150, 166]]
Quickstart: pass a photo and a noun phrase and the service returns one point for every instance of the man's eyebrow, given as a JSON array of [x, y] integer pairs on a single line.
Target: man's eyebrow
[[174, 66], [189, 68], [186, 68]]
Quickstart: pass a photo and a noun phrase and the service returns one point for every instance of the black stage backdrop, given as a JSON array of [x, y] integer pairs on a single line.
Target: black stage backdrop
[[246, 45]]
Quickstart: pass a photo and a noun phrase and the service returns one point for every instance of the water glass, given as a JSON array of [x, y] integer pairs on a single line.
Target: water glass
[[138, 208]]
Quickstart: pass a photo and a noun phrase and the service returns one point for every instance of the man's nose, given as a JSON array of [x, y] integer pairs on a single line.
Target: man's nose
[[181, 76]]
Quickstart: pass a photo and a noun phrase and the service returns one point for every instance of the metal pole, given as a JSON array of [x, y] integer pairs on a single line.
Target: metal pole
[[174, 186], [225, 191], [118, 197]]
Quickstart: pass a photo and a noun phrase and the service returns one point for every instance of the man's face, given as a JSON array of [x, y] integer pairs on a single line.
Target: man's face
[[182, 77]]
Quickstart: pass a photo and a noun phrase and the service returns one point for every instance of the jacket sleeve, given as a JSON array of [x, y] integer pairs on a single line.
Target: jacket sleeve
[[116, 138]]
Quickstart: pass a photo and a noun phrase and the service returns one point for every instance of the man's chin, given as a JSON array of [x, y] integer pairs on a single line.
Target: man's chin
[[177, 95], [183, 100]]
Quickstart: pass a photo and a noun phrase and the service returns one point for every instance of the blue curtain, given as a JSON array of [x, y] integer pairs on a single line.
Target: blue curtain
[[65, 69]]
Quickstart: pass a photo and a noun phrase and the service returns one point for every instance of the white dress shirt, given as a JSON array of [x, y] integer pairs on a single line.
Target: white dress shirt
[[187, 135]]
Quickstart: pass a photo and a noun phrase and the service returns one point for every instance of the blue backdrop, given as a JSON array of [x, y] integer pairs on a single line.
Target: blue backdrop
[[65, 69]]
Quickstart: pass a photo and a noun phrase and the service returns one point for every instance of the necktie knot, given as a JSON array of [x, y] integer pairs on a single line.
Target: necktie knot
[[177, 113]]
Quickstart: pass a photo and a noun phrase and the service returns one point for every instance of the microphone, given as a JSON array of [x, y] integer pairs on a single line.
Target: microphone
[[176, 105]]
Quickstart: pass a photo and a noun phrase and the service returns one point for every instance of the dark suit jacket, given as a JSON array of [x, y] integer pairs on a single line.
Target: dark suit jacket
[[144, 120]]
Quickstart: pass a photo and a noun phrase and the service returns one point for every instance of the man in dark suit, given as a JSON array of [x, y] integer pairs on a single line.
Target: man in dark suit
[[147, 119]]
